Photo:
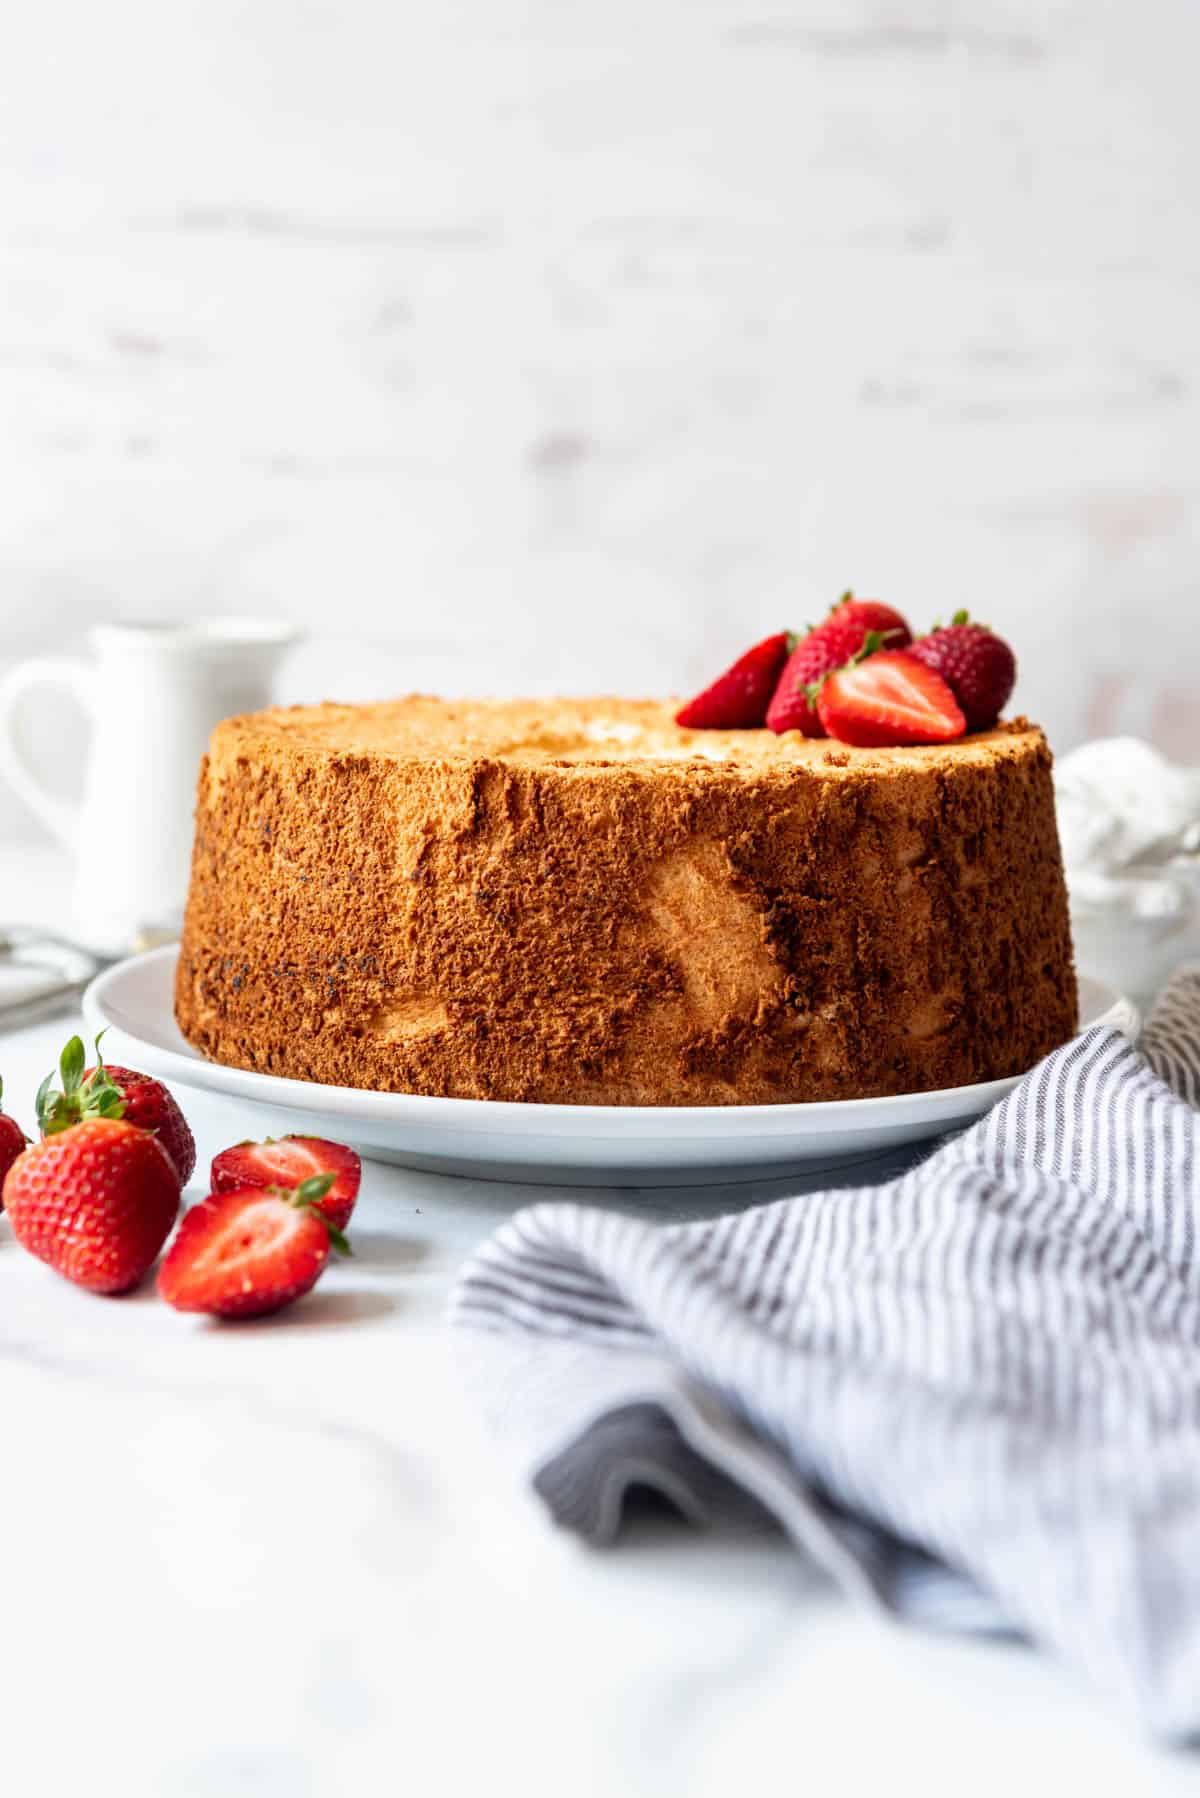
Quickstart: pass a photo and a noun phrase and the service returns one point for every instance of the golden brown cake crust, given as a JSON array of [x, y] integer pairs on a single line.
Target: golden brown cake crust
[[576, 901]]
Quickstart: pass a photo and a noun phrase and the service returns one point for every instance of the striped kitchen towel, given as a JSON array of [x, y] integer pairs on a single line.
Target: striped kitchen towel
[[972, 1393]]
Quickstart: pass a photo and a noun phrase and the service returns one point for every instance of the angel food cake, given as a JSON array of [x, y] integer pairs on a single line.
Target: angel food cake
[[584, 901]]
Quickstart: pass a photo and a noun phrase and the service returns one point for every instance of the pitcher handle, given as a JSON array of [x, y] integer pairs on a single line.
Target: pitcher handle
[[60, 816]]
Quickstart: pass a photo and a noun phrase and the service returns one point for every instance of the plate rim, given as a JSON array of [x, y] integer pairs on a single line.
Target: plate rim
[[476, 1116]]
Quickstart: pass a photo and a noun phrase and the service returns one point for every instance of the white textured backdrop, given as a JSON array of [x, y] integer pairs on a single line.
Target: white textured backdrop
[[570, 344]]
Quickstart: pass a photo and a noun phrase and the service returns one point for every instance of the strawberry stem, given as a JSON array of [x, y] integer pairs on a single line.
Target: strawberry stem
[[98, 1096]]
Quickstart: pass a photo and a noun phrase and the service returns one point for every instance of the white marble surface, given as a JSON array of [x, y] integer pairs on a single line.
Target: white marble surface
[[518, 345], [285, 1559]]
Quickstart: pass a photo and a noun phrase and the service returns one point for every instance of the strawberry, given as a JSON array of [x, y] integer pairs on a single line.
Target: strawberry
[[831, 644], [95, 1202], [871, 615], [738, 699], [886, 697], [978, 667], [823, 650], [250, 1251], [112, 1092], [12, 1142], [288, 1162]]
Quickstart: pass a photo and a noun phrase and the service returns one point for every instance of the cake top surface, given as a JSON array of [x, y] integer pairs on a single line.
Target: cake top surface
[[584, 732]]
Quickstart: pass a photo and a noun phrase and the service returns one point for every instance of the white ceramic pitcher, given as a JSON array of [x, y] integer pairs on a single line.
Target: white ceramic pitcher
[[152, 695]]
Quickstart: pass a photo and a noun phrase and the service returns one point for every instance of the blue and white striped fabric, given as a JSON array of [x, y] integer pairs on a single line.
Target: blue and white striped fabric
[[973, 1392]]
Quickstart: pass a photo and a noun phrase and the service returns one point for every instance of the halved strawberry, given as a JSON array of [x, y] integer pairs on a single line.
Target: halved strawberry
[[831, 644], [286, 1161], [738, 699], [887, 698], [249, 1252]]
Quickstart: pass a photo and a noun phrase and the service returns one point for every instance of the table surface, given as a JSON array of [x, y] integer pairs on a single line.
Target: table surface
[[286, 1559]]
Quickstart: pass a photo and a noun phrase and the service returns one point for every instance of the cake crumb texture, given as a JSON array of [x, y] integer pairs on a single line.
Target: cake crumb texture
[[576, 901]]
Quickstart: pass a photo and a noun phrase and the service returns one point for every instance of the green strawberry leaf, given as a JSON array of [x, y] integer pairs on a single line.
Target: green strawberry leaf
[[70, 1066], [337, 1240], [312, 1190], [42, 1105], [873, 641], [98, 1096]]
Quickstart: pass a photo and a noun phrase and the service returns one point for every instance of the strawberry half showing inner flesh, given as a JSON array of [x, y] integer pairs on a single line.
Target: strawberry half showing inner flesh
[[888, 699], [288, 1160], [248, 1253]]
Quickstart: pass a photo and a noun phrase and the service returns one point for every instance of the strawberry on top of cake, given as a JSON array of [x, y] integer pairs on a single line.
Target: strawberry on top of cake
[[860, 677]]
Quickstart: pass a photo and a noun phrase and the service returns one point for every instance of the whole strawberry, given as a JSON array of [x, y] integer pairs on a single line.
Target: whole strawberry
[[113, 1092], [978, 667], [831, 644], [12, 1142], [737, 699], [250, 1251], [95, 1202]]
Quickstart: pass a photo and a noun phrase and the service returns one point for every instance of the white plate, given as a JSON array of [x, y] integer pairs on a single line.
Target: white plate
[[587, 1145]]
